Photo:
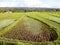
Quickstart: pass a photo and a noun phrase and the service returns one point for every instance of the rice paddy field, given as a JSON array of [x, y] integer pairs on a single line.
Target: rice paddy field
[[30, 28]]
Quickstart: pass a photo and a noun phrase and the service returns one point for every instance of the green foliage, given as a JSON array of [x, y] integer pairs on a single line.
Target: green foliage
[[44, 17]]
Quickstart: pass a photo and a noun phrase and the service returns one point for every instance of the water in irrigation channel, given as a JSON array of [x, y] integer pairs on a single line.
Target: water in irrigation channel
[[5, 23]]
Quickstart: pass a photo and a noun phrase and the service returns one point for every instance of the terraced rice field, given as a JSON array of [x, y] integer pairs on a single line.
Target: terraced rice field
[[31, 28]]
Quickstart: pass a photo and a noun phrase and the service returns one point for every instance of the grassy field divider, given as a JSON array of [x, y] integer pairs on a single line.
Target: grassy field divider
[[50, 25], [12, 25]]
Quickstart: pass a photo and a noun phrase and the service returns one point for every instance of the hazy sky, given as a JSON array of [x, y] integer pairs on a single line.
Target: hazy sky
[[30, 3]]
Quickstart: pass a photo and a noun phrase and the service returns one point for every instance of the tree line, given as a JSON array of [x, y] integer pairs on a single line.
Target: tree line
[[25, 9]]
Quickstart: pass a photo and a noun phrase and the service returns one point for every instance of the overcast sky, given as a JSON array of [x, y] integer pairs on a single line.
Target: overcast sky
[[30, 3]]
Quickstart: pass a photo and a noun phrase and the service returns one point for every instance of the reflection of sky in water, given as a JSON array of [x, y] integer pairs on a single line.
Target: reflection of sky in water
[[54, 18], [5, 23]]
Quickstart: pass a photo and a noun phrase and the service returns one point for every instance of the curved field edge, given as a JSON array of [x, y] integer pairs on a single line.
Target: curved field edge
[[17, 42], [36, 43], [57, 30], [10, 26], [45, 15], [52, 27], [56, 42], [51, 23]]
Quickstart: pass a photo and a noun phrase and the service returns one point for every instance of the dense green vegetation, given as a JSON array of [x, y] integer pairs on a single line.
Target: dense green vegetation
[[51, 19]]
